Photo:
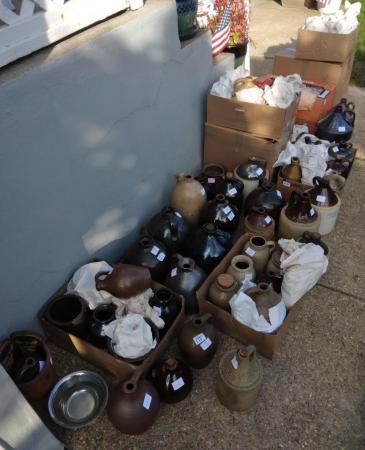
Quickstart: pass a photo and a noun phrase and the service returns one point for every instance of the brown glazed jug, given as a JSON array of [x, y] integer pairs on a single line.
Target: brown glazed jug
[[260, 223], [298, 216], [211, 177], [259, 250], [133, 404], [292, 171], [173, 380], [264, 297], [239, 380], [188, 197], [198, 341], [222, 289], [125, 280]]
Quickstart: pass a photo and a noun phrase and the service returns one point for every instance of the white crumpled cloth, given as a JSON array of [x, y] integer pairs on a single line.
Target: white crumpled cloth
[[343, 21], [131, 336], [302, 265], [283, 90], [224, 86], [312, 157]]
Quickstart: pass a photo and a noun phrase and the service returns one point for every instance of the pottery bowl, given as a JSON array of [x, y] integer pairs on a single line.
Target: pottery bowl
[[78, 399]]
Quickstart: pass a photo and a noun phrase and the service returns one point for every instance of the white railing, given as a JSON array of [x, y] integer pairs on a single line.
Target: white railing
[[28, 25]]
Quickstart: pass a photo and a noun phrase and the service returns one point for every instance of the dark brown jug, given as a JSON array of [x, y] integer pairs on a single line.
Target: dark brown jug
[[220, 212], [314, 238], [173, 380], [102, 315], [264, 297], [322, 194], [211, 178], [273, 279], [339, 165], [232, 189], [266, 196], [198, 341], [342, 149], [133, 404], [337, 125], [150, 253], [184, 277], [259, 223], [292, 171], [125, 280], [167, 306]]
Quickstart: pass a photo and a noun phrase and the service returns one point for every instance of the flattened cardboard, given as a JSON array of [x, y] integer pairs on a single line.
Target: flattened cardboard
[[266, 344], [100, 358], [319, 46], [230, 147], [259, 120]]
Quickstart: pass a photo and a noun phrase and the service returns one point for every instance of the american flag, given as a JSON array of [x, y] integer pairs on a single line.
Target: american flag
[[221, 34]]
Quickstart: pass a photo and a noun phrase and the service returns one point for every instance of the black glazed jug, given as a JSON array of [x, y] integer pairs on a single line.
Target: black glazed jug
[[167, 306], [102, 315], [266, 196], [232, 189], [220, 212], [335, 127]]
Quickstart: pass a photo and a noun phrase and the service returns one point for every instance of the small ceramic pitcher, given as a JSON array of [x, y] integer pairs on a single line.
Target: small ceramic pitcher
[[259, 249]]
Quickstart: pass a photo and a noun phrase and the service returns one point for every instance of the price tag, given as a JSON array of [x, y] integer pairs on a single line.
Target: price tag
[[259, 171], [41, 365], [177, 384], [199, 338], [321, 198], [227, 210], [268, 219], [177, 214], [202, 190], [286, 183], [157, 310], [206, 344], [155, 250], [323, 94], [211, 180], [279, 193], [312, 212], [335, 149], [248, 276], [161, 256], [173, 272], [234, 362], [231, 216], [249, 251], [147, 401], [341, 129], [232, 191]]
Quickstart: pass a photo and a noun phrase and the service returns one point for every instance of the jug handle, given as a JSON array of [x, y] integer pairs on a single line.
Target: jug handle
[[173, 229], [251, 350], [271, 245], [350, 116], [295, 196], [350, 106], [347, 145], [99, 284], [317, 181]]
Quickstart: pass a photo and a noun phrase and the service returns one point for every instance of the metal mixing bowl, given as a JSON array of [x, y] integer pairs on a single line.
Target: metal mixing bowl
[[78, 399]]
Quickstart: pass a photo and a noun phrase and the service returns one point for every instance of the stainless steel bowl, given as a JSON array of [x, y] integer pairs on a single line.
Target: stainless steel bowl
[[78, 399]]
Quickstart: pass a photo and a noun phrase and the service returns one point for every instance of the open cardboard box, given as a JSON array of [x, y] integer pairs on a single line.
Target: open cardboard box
[[320, 46], [260, 120], [286, 187], [117, 367], [266, 344], [231, 148]]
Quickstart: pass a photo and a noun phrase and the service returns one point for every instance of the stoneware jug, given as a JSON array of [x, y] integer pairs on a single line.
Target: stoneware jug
[[232, 189], [133, 405], [260, 223], [207, 246], [239, 380], [220, 212], [125, 280], [336, 126], [241, 268], [273, 279], [150, 253], [173, 380], [265, 298], [102, 315], [250, 173], [211, 178], [292, 171], [168, 227], [274, 262], [314, 238], [327, 203], [337, 182], [188, 197], [339, 165], [198, 341], [167, 306], [222, 289], [259, 250], [298, 216], [266, 196], [185, 277], [343, 149]]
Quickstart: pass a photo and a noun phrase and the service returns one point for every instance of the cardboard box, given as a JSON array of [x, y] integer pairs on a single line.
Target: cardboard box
[[285, 63], [319, 46], [286, 187], [259, 120], [230, 147], [100, 358], [266, 344]]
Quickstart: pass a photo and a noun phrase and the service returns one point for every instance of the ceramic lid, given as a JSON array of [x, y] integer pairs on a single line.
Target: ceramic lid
[[225, 280]]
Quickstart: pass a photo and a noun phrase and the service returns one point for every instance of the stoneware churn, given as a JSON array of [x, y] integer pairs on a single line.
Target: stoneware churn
[[259, 250], [198, 341], [222, 289], [298, 216], [188, 197], [327, 203], [241, 268], [250, 173], [260, 223], [133, 405], [240, 377]]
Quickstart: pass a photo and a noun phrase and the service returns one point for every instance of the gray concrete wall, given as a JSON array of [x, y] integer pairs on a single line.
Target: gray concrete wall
[[90, 144]]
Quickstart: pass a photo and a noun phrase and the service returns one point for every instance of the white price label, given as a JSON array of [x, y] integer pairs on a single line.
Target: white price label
[[178, 214], [312, 212], [341, 129], [177, 384], [268, 219], [286, 183], [335, 149], [199, 338], [155, 250], [231, 216], [161, 256], [147, 401], [202, 191], [321, 198], [259, 171], [206, 344], [211, 180], [248, 276], [157, 310], [279, 193], [227, 210], [232, 191], [250, 251], [234, 362], [323, 94], [41, 365], [173, 272]]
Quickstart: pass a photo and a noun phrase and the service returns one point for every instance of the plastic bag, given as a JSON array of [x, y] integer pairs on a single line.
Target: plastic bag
[[342, 21], [283, 91], [302, 265]]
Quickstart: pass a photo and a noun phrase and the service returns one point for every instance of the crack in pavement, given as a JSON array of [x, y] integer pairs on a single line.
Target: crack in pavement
[[359, 299]]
